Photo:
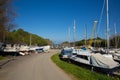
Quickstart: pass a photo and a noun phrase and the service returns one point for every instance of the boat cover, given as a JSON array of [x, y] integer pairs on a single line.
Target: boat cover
[[101, 61]]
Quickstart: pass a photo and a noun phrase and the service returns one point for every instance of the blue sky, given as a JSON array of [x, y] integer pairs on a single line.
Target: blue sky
[[52, 18]]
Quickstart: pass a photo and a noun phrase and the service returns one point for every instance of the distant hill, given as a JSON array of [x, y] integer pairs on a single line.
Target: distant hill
[[23, 37], [98, 42]]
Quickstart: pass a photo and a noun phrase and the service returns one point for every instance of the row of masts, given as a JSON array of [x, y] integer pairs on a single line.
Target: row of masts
[[107, 29]]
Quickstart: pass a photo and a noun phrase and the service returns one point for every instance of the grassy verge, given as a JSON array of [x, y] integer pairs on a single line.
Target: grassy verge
[[78, 72], [1, 57]]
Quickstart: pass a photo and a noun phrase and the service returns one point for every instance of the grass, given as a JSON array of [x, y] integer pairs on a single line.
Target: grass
[[78, 72], [1, 58]]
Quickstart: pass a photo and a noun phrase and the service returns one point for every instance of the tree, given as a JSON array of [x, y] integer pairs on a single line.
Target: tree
[[22, 37], [7, 15], [65, 44], [115, 41]]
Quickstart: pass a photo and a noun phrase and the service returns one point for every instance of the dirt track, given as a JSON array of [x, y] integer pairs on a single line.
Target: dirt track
[[33, 67]]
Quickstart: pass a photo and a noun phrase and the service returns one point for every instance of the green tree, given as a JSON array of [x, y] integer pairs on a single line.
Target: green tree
[[115, 41], [22, 37]]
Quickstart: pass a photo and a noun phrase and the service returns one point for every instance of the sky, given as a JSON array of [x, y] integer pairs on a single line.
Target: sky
[[52, 18]]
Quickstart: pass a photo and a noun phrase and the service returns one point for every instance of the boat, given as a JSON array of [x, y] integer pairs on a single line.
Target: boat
[[66, 53], [9, 49], [116, 55], [36, 49], [46, 48], [40, 49], [95, 62]]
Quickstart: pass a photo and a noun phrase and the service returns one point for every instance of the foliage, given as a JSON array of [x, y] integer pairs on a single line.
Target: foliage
[[115, 41], [78, 72], [80, 43], [99, 42], [7, 15], [66, 43], [22, 37], [1, 58]]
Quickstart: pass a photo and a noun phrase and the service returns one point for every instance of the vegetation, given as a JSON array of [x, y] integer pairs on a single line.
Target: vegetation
[[1, 57], [98, 42], [65, 43], [7, 26], [115, 41], [78, 72], [22, 37], [7, 16]]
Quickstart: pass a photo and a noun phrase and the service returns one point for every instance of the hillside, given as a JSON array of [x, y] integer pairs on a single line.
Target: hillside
[[23, 37]]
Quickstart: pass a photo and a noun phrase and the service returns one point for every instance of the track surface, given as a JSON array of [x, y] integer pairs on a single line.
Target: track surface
[[33, 67]]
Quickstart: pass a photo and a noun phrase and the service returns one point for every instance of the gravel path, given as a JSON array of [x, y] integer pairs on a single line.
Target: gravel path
[[33, 67]]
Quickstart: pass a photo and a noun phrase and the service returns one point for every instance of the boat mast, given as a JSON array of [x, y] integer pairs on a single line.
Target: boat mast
[[107, 18], [85, 35], [74, 27], [69, 36]]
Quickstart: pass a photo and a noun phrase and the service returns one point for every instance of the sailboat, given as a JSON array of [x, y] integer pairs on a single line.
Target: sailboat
[[116, 55], [97, 61]]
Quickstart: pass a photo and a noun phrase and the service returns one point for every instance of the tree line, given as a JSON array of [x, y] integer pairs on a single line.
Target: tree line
[[23, 37], [96, 42], [7, 26]]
